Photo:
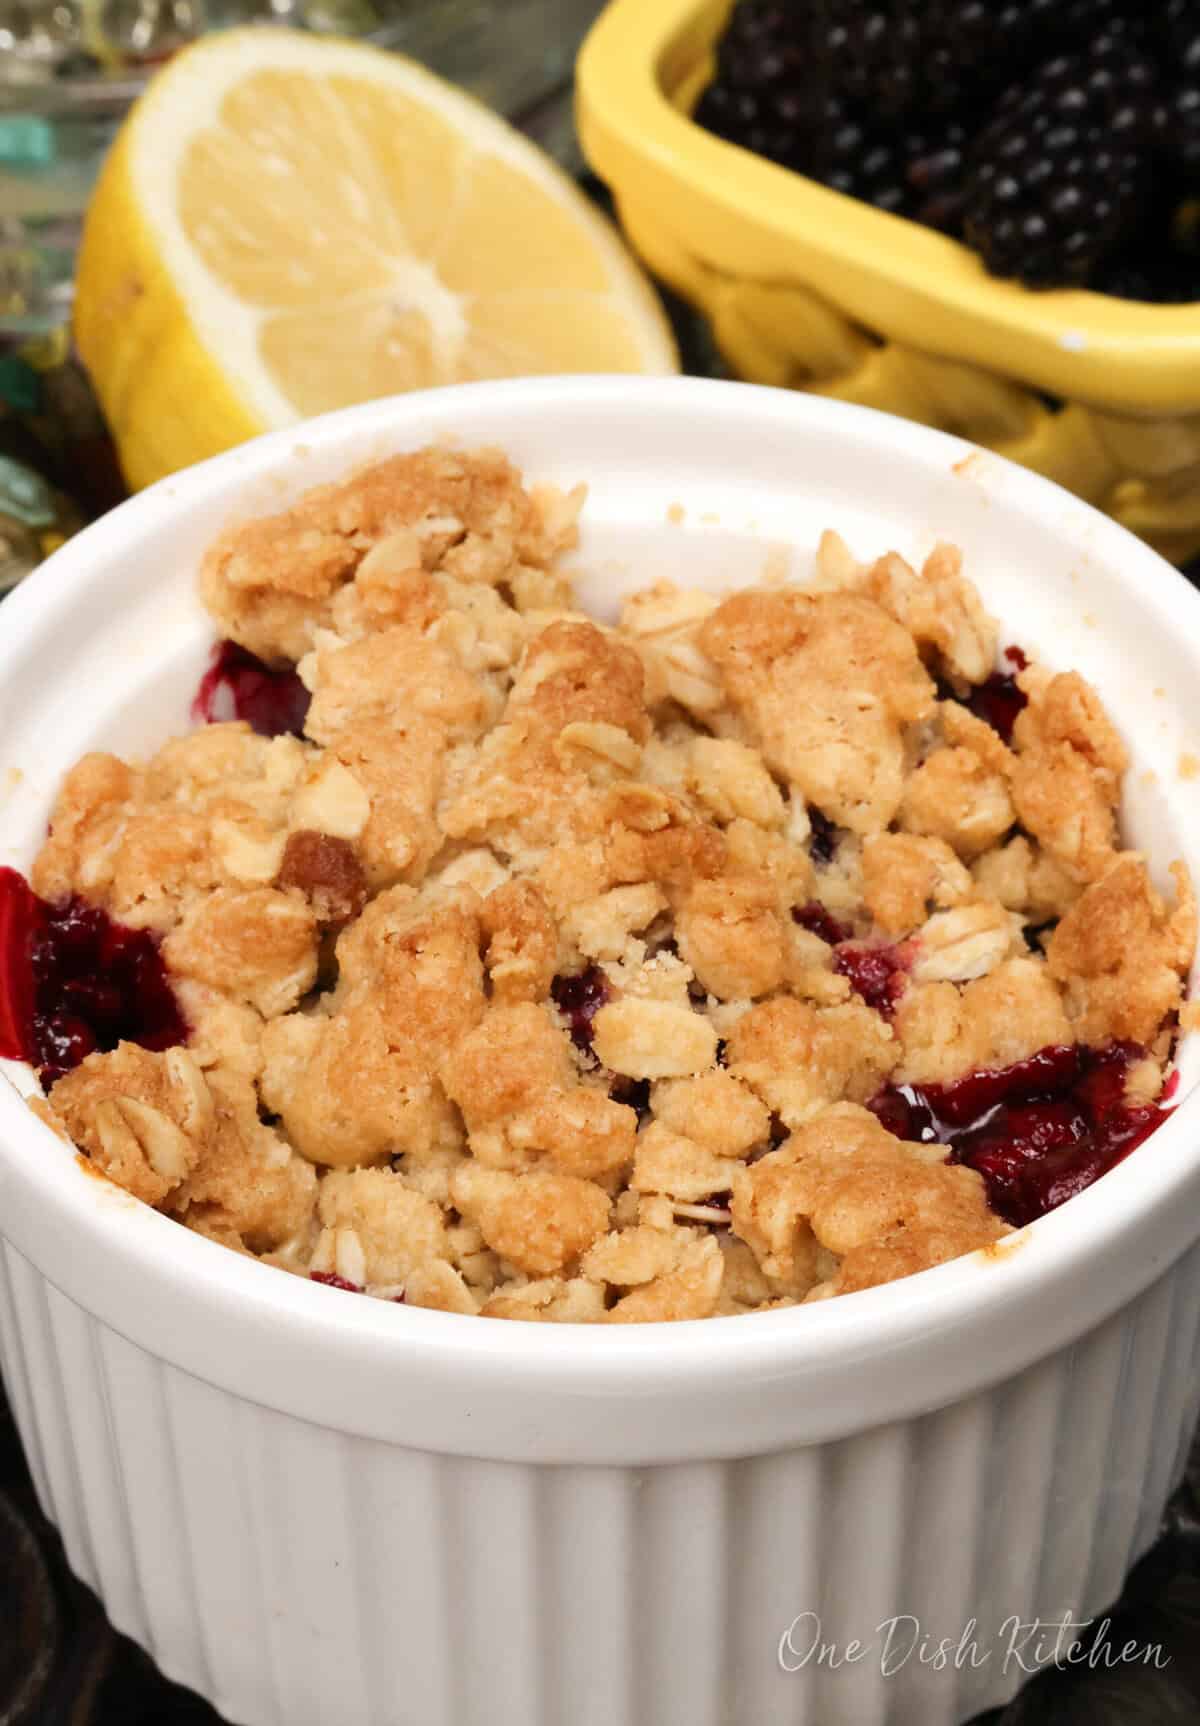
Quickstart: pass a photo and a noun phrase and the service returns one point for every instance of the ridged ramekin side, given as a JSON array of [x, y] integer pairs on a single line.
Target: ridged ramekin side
[[295, 1574]]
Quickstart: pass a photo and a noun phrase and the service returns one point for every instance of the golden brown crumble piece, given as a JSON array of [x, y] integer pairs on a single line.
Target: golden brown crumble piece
[[270, 583], [650, 836], [539, 1222], [375, 1229], [735, 936], [550, 1300], [826, 687], [575, 720], [256, 944], [346, 1099], [939, 609], [689, 1288], [509, 1064], [731, 783], [798, 1059], [715, 1110], [249, 1187], [959, 793], [553, 974], [822, 1213], [938, 606], [1121, 955], [399, 769], [414, 960], [211, 810], [648, 1039], [522, 942], [580, 1131], [389, 677], [945, 1032], [143, 1118], [1066, 779], [361, 1082], [608, 925], [677, 1167], [967, 942], [1024, 878], [664, 622], [221, 1033], [905, 877], [91, 812], [191, 1143]]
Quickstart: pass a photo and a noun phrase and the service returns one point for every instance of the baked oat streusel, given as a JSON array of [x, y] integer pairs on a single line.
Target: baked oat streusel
[[561, 971]]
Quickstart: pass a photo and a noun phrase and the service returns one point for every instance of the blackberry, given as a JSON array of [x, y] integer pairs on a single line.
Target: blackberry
[[883, 100], [765, 95], [1179, 113], [855, 157], [909, 172], [995, 36], [871, 53], [1178, 129], [934, 174], [1054, 181], [987, 43], [1153, 273], [902, 58]]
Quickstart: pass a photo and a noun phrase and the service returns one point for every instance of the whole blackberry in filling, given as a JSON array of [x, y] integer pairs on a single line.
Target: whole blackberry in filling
[[1055, 181]]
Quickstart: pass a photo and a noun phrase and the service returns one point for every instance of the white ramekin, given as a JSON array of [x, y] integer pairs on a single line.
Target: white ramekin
[[321, 1510]]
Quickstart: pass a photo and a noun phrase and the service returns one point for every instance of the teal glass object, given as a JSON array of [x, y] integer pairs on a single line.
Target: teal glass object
[[25, 495]]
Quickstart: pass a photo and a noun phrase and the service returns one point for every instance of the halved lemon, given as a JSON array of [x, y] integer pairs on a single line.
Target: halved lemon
[[287, 224]]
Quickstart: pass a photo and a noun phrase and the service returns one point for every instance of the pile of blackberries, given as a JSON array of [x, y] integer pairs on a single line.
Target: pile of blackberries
[[1059, 138]]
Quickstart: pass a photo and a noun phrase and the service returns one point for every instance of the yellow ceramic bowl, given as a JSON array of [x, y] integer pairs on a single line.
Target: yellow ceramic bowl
[[808, 288]]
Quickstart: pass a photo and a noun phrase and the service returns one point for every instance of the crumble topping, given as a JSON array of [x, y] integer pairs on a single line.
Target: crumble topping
[[588, 974]]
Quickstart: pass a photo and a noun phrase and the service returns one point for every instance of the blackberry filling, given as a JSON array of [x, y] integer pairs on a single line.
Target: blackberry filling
[[333, 1282], [73, 981], [878, 974], [579, 998], [822, 840], [634, 1093], [998, 700], [1038, 1132], [274, 703], [818, 921]]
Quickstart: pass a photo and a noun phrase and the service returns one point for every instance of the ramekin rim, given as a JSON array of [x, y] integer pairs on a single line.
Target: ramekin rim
[[1046, 1253]]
